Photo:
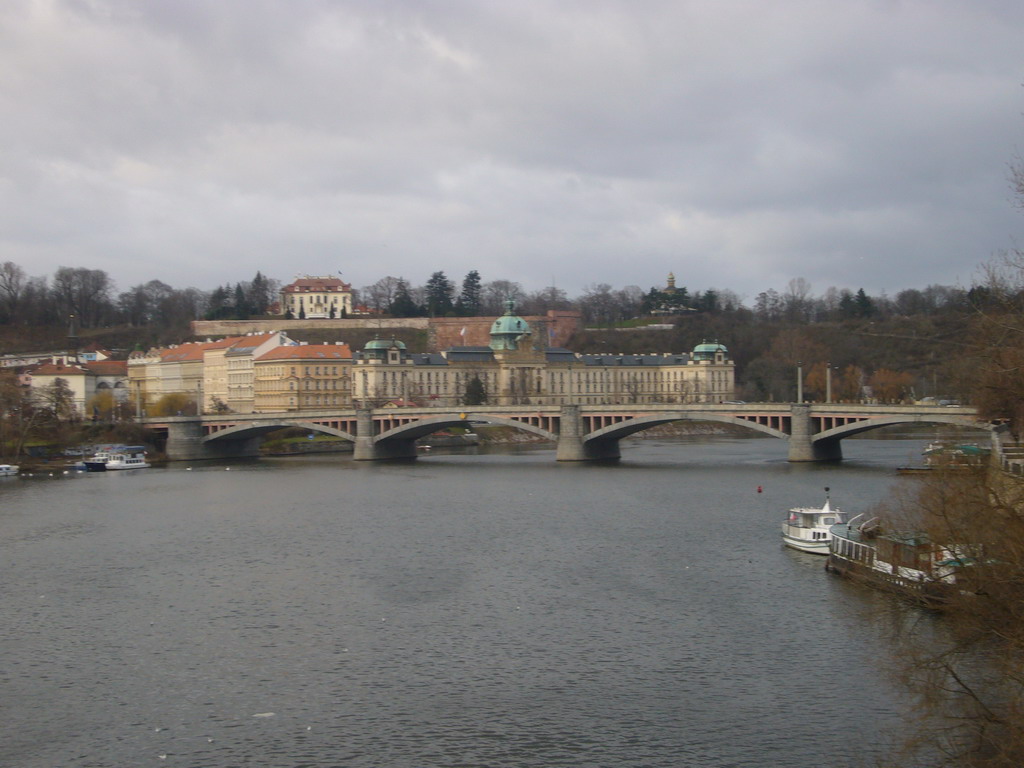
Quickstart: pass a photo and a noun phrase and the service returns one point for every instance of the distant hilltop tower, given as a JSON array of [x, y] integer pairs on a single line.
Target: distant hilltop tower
[[671, 287]]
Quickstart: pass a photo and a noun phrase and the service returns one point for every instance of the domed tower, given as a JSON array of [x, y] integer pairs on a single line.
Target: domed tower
[[710, 352], [510, 332], [383, 351]]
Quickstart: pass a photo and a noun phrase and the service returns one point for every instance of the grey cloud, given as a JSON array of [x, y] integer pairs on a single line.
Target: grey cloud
[[737, 144]]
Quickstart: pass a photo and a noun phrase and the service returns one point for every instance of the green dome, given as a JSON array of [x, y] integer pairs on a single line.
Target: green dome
[[373, 344], [707, 350], [507, 329]]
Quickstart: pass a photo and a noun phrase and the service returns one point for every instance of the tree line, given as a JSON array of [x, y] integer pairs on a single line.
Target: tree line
[[92, 297]]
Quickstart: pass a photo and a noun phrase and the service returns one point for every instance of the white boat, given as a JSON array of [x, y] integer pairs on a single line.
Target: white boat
[[125, 457], [807, 528], [8, 469]]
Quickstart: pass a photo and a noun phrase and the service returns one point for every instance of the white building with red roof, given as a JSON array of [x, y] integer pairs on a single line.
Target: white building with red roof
[[84, 381], [311, 298]]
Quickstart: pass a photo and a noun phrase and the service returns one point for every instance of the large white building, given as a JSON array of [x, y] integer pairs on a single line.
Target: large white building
[[511, 371], [268, 372]]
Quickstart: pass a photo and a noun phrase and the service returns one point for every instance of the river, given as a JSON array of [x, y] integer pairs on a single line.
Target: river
[[494, 609]]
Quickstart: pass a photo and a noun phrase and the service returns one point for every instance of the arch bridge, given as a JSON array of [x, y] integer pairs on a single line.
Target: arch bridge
[[581, 432]]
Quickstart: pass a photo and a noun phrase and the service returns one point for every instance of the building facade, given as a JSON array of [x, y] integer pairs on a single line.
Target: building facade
[[304, 377], [511, 371], [268, 373], [83, 380], [311, 298]]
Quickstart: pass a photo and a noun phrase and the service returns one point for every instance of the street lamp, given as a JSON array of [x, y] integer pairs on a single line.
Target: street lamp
[[828, 382], [799, 381]]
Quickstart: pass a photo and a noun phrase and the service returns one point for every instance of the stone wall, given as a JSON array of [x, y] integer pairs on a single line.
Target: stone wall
[[554, 329], [204, 328]]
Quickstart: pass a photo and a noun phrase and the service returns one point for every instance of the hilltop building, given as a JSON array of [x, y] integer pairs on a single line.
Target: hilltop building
[[311, 298]]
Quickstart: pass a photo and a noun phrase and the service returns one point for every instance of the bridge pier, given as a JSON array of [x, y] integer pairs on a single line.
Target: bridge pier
[[366, 449], [185, 443], [572, 443], [802, 446]]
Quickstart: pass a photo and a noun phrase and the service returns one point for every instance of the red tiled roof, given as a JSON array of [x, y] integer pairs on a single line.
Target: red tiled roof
[[58, 369], [308, 284], [309, 352], [108, 367]]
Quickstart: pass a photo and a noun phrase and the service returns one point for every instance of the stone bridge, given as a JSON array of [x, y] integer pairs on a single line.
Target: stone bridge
[[581, 432]]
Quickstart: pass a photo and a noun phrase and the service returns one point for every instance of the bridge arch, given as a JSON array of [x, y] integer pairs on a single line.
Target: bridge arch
[[855, 428], [632, 426], [258, 429], [423, 427]]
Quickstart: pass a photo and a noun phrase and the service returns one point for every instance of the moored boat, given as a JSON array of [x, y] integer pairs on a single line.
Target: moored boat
[[955, 455], [123, 457], [907, 562], [6, 470], [807, 528]]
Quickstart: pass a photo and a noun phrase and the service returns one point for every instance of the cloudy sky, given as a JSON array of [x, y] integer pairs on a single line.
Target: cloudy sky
[[738, 144]]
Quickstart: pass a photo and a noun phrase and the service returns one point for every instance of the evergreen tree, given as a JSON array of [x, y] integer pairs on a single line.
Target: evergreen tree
[[218, 306], [403, 305], [258, 295], [241, 309], [476, 394], [439, 295], [470, 299], [864, 305]]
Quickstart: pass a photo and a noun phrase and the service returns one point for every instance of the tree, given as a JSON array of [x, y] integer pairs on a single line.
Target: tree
[[260, 294], [12, 288], [816, 383], [439, 291], [476, 394], [173, 404], [539, 302], [768, 306], [242, 310], [471, 297], [890, 386], [59, 400], [863, 304], [84, 293], [219, 305], [849, 384], [998, 333], [496, 293], [381, 294], [102, 406], [598, 304], [797, 301], [403, 304], [966, 671], [630, 301]]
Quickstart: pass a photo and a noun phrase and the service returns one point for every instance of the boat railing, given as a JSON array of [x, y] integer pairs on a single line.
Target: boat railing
[[1009, 453]]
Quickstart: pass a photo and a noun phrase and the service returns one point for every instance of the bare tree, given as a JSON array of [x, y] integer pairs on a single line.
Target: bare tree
[[797, 300], [495, 293], [539, 302], [381, 294], [84, 293], [12, 287]]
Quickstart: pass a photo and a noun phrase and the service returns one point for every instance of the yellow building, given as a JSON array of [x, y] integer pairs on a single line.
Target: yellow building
[[216, 374], [304, 377]]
